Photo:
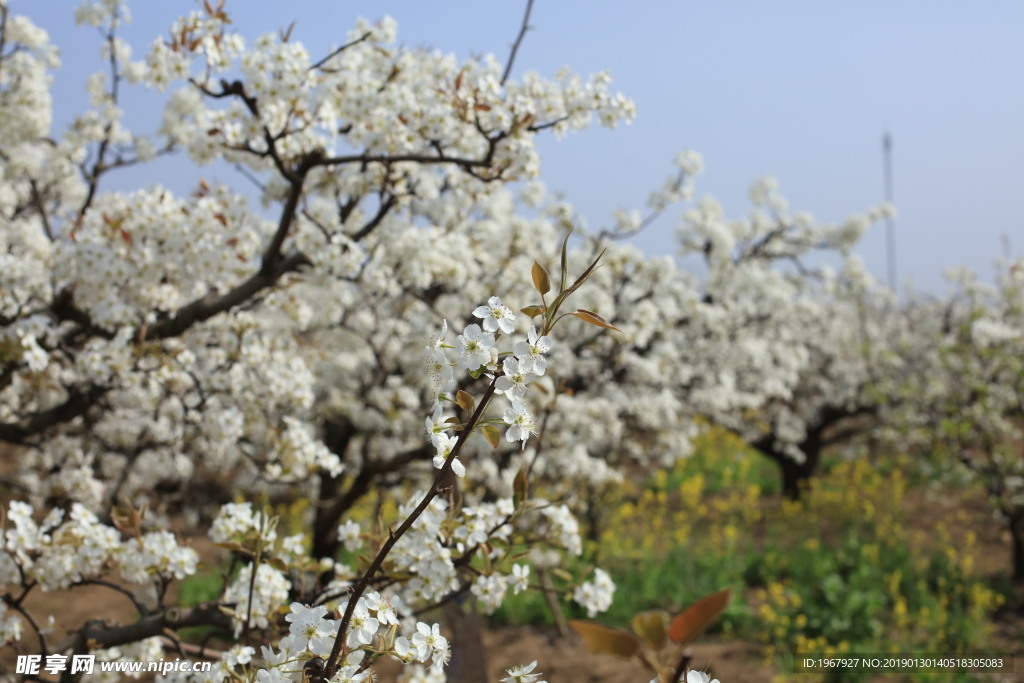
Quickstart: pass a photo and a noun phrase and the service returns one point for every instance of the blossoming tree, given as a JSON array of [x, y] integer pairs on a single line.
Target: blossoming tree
[[180, 362], [785, 354], [964, 400], [853, 341]]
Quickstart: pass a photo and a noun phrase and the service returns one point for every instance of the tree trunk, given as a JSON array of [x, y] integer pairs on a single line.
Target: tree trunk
[[328, 508], [796, 474], [1017, 536], [469, 656]]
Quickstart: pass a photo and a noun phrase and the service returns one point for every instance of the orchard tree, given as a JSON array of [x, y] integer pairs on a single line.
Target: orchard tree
[[968, 396], [803, 351], [855, 342], [738, 347]]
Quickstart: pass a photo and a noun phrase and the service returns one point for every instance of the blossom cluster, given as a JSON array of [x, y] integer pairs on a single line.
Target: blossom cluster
[[375, 628], [477, 351], [64, 550]]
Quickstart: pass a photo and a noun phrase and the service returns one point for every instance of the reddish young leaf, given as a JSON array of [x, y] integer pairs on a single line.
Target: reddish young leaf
[[533, 311], [694, 619], [594, 319], [604, 640], [541, 280], [465, 400]]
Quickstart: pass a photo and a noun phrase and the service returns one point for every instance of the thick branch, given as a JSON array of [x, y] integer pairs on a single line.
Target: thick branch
[[98, 634], [212, 304], [371, 225], [849, 431], [284, 224], [37, 199], [325, 533], [78, 402]]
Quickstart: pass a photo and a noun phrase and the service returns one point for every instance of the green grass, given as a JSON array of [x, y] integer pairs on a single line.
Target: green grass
[[202, 586], [725, 463], [838, 572]]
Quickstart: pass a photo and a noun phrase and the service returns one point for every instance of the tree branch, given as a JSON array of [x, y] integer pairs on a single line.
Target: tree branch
[[393, 537], [519, 41], [339, 50], [212, 304], [396, 158], [78, 402], [98, 634]]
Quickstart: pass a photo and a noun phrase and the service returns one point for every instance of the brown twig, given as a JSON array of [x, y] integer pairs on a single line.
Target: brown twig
[[553, 605], [519, 41], [339, 50], [393, 536], [684, 659]]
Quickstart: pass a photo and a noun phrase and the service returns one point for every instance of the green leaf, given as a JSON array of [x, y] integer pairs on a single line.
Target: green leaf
[[533, 311], [541, 280], [492, 435], [694, 619], [565, 259], [604, 640], [594, 319]]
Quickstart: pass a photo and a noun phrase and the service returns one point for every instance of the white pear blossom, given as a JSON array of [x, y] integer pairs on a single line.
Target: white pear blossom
[[531, 353], [595, 595], [520, 578], [429, 643], [523, 674], [521, 423], [496, 316], [475, 347], [515, 380]]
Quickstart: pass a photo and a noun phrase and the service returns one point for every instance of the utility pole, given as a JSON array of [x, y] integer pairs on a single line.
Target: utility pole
[[890, 229]]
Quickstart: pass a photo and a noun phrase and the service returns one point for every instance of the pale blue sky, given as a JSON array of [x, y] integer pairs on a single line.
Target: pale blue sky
[[802, 90]]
